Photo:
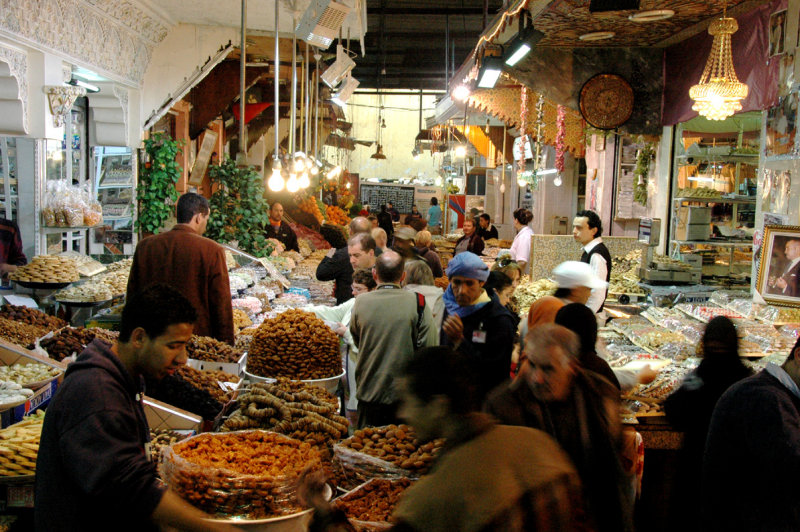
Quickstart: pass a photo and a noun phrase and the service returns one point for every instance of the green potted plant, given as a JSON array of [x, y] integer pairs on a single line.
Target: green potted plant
[[156, 193], [238, 208]]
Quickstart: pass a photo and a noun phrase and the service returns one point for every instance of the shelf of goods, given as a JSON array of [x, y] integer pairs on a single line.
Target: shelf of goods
[[669, 339]]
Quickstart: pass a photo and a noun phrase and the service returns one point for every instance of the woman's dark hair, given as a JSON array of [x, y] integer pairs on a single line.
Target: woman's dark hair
[[497, 282], [592, 220], [523, 216], [720, 339], [154, 309], [364, 276], [721, 365], [190, 204], [434, 201], [580, 319], [433, 371]]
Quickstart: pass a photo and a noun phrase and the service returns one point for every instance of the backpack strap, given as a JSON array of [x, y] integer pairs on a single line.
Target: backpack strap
[[420, 309]]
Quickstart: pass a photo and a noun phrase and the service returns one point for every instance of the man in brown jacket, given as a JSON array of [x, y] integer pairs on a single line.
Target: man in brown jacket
[[195, 266]]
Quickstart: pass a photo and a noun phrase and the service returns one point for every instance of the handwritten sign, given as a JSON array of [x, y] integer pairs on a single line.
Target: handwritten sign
[[402, 197]]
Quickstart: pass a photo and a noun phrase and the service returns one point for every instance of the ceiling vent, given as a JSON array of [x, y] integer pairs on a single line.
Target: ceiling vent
[[321, 22], [599, 6]]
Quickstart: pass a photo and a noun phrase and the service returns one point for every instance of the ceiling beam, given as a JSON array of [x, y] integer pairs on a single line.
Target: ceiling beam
[[405, 11]]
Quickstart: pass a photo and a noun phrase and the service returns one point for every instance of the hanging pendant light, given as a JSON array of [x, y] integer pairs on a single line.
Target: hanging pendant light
[[275, 182], [378, 153], [719, 93], [292, 184], [304, 180]]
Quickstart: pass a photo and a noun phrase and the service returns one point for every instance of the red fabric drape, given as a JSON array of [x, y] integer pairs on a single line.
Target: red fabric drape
[[251, 110]]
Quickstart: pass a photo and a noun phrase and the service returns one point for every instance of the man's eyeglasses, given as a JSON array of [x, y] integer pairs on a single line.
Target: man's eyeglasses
[[505, 260]]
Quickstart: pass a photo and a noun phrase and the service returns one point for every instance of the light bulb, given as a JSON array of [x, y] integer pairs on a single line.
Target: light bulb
[[309, 163], [347, 186], [299, 164], [292, 184], [314, 169], [275, 182], [461, 93], [305, 182], [461, 151], [521, 182], [502, 188], [557, 180]]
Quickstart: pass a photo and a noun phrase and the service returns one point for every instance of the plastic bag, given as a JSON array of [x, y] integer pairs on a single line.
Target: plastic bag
[[374, 501], [212, 472]]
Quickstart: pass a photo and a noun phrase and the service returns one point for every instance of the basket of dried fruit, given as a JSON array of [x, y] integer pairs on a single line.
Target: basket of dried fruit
[[369, 507]]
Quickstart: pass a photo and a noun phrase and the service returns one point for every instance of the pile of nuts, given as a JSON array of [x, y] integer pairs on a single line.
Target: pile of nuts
[[301, 411], [208, 381], [296, 345], [212, 350], [120, 265], [26, 374], [198, 392], [528, 292], [161, 439], [47, 269], [252, 474], [375, 501], [20, 333], [116, 281], [32, 316], [71, 341], [396, 444]]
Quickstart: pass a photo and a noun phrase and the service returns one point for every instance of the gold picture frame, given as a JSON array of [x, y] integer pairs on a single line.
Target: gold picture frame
[[779, 268]]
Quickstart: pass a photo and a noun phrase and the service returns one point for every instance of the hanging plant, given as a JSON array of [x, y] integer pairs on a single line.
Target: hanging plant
[[641, 173], [238, 208], [156, 193]]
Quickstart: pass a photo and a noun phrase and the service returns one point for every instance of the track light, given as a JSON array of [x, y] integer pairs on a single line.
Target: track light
[[321, 22], [343, 94], [339, 69], [523, 43], [490, 71], [88, 86]]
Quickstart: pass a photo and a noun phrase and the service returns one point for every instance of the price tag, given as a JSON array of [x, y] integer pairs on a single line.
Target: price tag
[[20, 496]]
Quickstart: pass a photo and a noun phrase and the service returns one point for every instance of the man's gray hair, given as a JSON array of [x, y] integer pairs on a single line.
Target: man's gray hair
[[359, 224], [548, 335]]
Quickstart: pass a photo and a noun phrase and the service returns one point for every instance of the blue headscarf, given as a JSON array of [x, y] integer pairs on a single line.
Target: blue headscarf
[[468, 265]]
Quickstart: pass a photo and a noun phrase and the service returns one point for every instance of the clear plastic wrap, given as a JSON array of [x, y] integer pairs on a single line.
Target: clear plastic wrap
[[369, 506], [724, 297], [250, 474], [745, 307], [778, 315], [790, 330]]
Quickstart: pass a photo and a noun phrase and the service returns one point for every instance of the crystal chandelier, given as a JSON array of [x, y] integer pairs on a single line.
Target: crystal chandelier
[[719, 93]]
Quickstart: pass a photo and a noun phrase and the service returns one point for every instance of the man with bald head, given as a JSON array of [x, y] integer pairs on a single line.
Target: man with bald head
[[280, 230], [387, 325], [336, 265], [787, 283]]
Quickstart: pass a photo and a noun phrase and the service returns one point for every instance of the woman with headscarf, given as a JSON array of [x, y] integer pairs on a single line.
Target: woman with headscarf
[[689, 409], [580, 319]]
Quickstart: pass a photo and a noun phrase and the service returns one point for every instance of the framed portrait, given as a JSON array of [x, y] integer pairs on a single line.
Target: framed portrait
[[782, 126], [779, 270], [777, 33]]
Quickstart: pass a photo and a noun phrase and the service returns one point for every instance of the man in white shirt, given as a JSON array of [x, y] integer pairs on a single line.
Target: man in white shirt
[[586, 229], [787, 284]]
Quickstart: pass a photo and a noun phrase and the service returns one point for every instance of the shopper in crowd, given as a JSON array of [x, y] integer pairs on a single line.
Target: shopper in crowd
[[364, 211], [470, 242], [392, 211], [379, 235], [280, 230], [579, 319], [424, 250], [476, 323], [752, 452], [11, 254], [500, 284], [93, 470], [575, 282], [363, 282], [689, 410], [361, 248], [580, 410], [521, 247], [419, 224], [387, 326], [335, 266], [195, 266], [506, 264], [489, 477], [435, 217], [587, 229], [404, 239], [385, 222], [373, 220], [419, 279], [485, 228]]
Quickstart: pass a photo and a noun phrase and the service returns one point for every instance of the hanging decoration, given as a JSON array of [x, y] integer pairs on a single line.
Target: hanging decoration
[[523, 128], [560, 136], [642, 171], [719, 93], [537, 156]]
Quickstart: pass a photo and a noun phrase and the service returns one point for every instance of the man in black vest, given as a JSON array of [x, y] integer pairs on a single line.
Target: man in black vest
[[587, 229]]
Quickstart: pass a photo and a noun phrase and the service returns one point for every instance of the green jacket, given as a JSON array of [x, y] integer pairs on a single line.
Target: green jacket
[[387, 329]]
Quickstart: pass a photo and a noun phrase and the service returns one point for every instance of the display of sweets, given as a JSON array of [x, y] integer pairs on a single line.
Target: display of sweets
[[47, 269]]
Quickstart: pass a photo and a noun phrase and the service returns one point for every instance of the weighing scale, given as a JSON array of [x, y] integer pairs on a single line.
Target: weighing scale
[[658, 273]]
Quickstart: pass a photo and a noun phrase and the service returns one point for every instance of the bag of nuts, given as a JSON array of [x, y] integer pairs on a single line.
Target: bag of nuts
[[369, 506]]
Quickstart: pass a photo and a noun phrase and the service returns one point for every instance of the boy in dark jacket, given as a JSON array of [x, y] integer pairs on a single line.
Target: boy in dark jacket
[[94, 469]]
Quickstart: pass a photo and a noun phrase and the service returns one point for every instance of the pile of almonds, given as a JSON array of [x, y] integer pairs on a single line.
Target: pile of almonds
[[20, 333], [296, 345]]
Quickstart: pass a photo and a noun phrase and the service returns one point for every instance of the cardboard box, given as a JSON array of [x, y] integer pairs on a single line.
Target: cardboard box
[[163, 416], [234, 368], [693, 232]]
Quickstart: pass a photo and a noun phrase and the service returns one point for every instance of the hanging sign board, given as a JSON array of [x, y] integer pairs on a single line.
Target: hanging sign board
[[375, 195], [203, 158]]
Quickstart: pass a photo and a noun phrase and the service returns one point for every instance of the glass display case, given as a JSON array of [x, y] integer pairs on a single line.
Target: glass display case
[[114, 181], [9, 196]]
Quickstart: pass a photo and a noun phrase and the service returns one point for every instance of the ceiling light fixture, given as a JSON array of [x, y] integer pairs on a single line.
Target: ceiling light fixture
[[719, 93], [461, 151], [378, 153], [461, 93], [275, 182], [490, 71], [343, 94], [339, 69], [597, 36], [522, 43], [321, 22], [651, 15], [88, 86], [292, 184]]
